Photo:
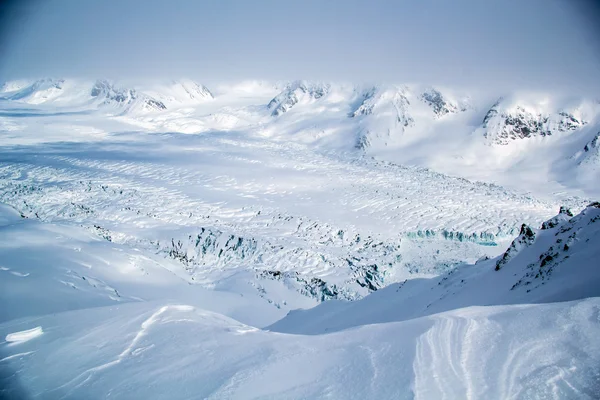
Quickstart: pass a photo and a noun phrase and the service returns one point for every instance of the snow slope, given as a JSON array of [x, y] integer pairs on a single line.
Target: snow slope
[[48, 268], [176, 351]]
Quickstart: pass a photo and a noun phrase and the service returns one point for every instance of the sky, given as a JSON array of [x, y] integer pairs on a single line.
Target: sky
[[537, 44]]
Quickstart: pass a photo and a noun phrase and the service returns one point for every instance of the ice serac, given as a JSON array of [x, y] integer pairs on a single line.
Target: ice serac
[[365, 260], [297, 92], [508, 120]]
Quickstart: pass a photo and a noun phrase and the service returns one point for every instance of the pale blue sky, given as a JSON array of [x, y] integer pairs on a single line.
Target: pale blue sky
[[537, 43]]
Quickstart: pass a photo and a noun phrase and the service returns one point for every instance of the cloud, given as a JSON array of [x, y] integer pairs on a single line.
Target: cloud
[[499, 44]]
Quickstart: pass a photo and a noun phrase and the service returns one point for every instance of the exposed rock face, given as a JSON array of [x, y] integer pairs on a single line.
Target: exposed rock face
[[504, 126], [110, 94], [293, 93], [594, 144], [440, 105], [588, 158], [367, 104], [563, 215], [568, 237], [105, 89], [526, 238], [567, 122]]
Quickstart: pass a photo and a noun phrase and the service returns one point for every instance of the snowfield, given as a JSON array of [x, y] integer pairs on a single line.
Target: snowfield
[[176, 351], [297, 240]]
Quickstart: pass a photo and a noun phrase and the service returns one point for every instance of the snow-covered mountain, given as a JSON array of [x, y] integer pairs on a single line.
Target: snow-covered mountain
[[508, 121], [299, 92], [105, 95], [39, 91], [129, 100], [589, 157], [181, 92], [448, 131]]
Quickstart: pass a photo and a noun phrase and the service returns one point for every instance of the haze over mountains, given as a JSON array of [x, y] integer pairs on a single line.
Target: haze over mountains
[[486, 137]]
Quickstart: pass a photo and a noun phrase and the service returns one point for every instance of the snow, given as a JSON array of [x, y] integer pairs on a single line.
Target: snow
[[24, 336], [296, 240], [158, 351]]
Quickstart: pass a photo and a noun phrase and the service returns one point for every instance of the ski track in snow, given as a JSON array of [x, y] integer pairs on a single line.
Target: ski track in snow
[[17, 355], [459, 358]]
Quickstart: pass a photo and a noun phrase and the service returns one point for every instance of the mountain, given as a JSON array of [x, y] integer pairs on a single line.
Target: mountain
[[302, 92], [129, 100], [181, 92], [39, 91], [385, 114], [507, 121], [105, 95]]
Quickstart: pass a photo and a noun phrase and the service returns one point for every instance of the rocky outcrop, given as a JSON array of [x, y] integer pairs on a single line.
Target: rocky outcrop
[[568, 237], [563, 215], [123, 97], [593, 144], [441, 105], [504, 125], [526, 238], [293, 93], [590, 156]]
